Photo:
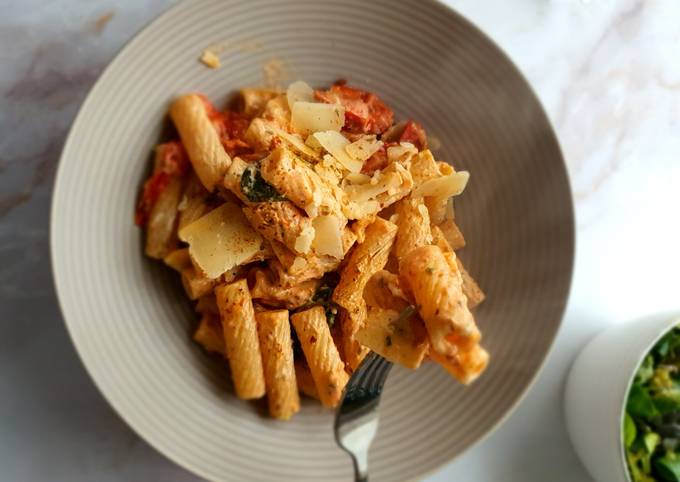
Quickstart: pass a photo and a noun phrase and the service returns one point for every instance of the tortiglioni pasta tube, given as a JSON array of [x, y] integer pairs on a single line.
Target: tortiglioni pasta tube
[[277, 359], [240, 339], [201, 140], [322, 356]]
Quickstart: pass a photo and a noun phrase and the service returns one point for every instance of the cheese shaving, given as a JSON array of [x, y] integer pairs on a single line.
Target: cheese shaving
[[402, 153], [444, 186], [328, 240], [221, 239], [364, 147], [334, 143], [303, 243], [309, 117], [299, 92]]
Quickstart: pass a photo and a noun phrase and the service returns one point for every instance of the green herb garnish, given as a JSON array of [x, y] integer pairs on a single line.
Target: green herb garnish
[[323, 297], [255, 188]]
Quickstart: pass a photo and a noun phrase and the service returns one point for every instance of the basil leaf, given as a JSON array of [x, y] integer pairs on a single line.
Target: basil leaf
[[255, 188], [322, 297]]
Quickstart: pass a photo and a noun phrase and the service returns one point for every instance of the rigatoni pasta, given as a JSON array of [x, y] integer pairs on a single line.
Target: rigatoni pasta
[[201, 140], [309, 229], [392, 330], [305, 381], [413, 223], [277, 360], [209, 334], [323, 358], [363, 262], [241, 339], [437, 289]]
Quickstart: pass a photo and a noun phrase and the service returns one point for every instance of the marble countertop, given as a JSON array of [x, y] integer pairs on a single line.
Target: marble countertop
[[607, 72]]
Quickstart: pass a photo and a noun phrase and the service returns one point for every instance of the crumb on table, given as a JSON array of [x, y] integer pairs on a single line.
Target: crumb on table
[[210, 59]]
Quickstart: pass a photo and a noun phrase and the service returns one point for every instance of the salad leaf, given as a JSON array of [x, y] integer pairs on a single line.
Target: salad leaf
[[640, 403], [665, 405], [629, 430], [640, 466], [255, 188], [662, 378], [665, 390], [668, 425], [668, 346], [651, 441], [651, 425], [668, 467], [646, 370]]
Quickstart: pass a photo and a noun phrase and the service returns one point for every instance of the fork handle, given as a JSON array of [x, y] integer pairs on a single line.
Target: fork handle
[[360, 467]]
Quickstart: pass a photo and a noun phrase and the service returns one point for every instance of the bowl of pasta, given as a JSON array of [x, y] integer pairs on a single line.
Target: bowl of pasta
[[255, 195]]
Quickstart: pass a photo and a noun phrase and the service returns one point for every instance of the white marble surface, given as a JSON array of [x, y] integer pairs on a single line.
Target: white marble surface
[[608, 73]]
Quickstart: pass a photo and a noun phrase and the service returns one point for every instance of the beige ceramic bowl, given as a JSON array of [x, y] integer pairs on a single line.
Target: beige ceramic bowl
[[128, 317]]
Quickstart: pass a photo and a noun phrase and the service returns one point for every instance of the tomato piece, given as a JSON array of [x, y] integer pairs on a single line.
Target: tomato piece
[[364, 111], [377, 161], [172, 158], [415, 134], [153, 187], [231, 127]]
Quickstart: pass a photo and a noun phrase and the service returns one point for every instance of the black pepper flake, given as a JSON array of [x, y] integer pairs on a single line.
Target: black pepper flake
[[388, 340]]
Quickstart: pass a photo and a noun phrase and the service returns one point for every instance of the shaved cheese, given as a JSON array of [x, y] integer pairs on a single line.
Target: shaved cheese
[[296, 143], [357, 178], [334, 143], [364, 147], [379, 183], [444, 186], [355, 210], [313, 143], [450, 213], [329, 169], [403, 152], [221, 239], [311, 117], [328, 240], [303, 243], [299, 92]]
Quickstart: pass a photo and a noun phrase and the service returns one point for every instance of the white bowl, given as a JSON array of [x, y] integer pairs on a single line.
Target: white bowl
[[128, 317], [597, 390]]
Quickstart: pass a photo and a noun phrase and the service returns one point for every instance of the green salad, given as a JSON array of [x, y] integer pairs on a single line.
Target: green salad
[[651, 426]]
